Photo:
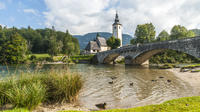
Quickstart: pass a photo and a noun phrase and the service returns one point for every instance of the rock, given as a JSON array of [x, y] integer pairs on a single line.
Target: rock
[[184, 70], [101, 106]]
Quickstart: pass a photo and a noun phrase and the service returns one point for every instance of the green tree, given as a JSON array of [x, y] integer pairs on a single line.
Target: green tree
[[70, 45], [98, 35], [13, 48], [179, 32], [163, 36], [144, 33], [113, 42], [53, 46]]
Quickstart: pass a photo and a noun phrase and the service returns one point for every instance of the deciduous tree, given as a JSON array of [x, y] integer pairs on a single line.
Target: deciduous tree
[[113, 42]]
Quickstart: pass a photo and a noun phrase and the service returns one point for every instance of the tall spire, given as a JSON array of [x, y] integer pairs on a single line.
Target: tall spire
[[117, 18]]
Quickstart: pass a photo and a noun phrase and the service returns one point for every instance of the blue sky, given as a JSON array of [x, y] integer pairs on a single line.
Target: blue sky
[[21, 13], [84, 16]]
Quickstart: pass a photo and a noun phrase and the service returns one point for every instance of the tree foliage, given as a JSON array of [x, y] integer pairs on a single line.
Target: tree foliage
[[163, 36], [113, 42], [179, 32], [35, 41], [13, 47], [144, 33]]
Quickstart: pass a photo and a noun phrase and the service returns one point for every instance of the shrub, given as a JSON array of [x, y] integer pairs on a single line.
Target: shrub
[[29, 90], [61, 88], [33, 57], [23, 92], [29, 95]]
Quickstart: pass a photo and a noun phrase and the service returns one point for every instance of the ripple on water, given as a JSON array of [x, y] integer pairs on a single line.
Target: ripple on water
[[120, 94]]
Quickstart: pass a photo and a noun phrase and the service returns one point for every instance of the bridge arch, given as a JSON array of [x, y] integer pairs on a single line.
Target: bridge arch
[[138, 54]]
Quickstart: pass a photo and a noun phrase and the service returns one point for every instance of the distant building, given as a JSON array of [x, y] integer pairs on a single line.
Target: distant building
[[96, 46], [99, 44], [117, 28]]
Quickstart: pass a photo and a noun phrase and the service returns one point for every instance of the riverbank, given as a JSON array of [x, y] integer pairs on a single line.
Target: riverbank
[[188, 104], [192, 78]]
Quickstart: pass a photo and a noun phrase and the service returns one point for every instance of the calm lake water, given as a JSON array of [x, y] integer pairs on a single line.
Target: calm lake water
[[119, 86]]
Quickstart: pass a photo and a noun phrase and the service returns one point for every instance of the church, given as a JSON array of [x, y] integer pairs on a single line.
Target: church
[[99, 44]]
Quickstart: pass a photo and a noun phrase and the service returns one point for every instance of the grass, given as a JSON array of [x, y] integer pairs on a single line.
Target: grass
[[79, 58], [188, 104], [72, 59], [41, 55], [30, 90], [191, 66], [166, 66], [17, 110]]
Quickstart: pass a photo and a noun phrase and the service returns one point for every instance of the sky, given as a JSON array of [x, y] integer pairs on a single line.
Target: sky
[[84, 16]]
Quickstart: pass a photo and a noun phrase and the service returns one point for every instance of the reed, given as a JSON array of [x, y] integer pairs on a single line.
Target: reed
[[28, 90]]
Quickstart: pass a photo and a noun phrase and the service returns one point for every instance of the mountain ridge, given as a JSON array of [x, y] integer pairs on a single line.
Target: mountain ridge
[[84, 39]]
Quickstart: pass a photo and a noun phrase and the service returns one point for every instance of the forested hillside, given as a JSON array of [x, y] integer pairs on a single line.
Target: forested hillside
[[15, 43]]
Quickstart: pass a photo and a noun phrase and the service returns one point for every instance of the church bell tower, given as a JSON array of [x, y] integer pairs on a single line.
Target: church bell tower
[[117, 29]]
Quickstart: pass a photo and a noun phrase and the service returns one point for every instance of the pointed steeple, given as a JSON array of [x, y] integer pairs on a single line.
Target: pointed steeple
[[116, 19]]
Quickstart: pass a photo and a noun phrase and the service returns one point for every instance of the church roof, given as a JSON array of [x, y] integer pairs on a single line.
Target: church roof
[[102, 41], [92, 45], [97, 44]]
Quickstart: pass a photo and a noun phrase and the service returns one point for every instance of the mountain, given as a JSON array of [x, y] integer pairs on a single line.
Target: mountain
[[84, 39], [196, 31]]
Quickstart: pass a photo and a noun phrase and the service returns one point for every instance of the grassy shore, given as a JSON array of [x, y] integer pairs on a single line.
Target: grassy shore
[[188, 104], [30, 90]]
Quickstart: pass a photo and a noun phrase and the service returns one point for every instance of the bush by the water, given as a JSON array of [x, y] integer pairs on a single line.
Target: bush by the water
[[30, 90], [167, 66], [170, 56]]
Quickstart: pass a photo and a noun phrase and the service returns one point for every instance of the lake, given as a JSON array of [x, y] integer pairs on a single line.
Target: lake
[[119, 86]]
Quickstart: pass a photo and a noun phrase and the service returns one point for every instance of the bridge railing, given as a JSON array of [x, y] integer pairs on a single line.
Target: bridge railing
[[149, 44]]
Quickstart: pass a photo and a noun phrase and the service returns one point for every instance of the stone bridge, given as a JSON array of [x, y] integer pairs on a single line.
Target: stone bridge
[[140, 53]]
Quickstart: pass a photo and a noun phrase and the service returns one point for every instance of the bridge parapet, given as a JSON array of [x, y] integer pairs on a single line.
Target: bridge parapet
[[141, 52]]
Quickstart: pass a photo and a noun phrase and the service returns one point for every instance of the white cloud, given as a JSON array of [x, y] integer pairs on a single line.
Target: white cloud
[[32, 11], [2, 6], [83, 16]]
